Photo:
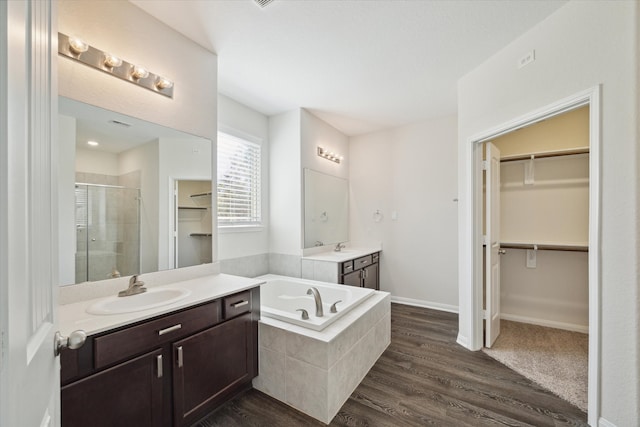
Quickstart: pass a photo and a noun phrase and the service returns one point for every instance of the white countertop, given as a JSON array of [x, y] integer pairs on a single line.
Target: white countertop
[[74, 316], [344, 255]]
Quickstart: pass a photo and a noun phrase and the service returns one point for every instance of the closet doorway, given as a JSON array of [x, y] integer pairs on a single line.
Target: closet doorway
[[193, 222], [471, 290], [536, 222]]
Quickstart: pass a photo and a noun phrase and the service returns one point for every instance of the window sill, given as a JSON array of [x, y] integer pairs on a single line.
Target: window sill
[[224, 229]]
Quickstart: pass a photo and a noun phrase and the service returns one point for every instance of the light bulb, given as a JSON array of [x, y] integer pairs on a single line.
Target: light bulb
[[93, 143], [77, 46], [139, 72], [162, 83], [111, 61]]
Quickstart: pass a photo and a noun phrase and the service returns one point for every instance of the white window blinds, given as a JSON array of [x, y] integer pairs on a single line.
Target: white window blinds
[[238, 181]]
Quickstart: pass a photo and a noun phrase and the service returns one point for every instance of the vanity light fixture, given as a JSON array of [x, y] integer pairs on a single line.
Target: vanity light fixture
[[78, 50], [330, 155]]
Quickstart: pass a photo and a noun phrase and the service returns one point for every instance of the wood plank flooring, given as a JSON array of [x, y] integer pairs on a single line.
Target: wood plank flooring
[[423, 378]]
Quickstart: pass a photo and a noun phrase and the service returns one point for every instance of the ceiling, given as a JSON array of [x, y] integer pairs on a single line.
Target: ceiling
[[360, 65]]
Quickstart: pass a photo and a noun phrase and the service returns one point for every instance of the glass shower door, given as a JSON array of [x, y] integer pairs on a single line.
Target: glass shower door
[[107, 232]]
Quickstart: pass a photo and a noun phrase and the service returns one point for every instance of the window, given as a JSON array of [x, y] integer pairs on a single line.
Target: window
[[238, 181]]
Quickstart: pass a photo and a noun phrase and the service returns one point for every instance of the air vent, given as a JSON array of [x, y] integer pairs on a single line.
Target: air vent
[[263, 3], [116, 122]]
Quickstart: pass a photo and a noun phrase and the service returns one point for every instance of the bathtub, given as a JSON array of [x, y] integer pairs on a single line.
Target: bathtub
[[280, 297]]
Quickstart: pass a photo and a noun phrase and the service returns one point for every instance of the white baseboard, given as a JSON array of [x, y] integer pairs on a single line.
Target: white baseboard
[[604, 423], [543, 322], [462, 340], [425, 304]]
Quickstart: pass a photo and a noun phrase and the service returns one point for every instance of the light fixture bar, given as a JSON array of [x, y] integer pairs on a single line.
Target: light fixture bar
[[329, 155], [110, 64]]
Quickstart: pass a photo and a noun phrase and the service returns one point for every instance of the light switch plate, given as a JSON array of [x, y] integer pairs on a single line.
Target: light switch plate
[[532, 260]]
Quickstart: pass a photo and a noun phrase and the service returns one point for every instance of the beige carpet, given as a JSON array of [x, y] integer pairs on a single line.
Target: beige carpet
[[553, 358]]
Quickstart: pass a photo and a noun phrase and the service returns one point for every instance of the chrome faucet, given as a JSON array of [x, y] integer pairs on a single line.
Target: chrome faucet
[[134, 288], [339, 247], [316, 296]]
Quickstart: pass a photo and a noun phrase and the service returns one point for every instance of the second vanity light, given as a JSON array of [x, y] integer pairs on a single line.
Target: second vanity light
[[77, 49]]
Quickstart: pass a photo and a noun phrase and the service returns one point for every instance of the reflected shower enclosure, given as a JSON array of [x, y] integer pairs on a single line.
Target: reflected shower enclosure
[[107, 232]]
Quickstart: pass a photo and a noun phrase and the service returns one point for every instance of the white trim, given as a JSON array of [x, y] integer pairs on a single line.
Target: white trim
[[605, 423], [425, 304], [574, 327], [470, 257]]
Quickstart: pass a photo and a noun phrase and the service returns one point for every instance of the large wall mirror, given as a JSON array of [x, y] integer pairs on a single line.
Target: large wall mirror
[[326, 204], [134, 197]]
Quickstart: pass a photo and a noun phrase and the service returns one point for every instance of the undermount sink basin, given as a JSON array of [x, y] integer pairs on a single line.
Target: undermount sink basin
[[152, 298]]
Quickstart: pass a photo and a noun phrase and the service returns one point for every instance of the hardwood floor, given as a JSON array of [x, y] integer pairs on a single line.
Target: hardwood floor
[[423, 378]]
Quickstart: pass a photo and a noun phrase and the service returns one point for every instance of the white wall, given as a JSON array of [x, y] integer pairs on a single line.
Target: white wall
[[125, 30], [242, 121], [409, 170], [580, 46], [99, 162], [285, 184], [145, 158]]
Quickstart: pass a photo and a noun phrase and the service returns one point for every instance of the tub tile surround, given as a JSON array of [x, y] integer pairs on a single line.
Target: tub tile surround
[[246, 266], [321, 369]]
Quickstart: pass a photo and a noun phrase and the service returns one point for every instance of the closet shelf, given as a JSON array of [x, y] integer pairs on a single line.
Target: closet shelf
[[202, 199], [545, 246], [201, 234], [200, 208], [544, 154]]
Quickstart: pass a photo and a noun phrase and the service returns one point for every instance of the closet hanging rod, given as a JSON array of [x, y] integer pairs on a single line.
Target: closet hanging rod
[[545, 247], [545, 154]]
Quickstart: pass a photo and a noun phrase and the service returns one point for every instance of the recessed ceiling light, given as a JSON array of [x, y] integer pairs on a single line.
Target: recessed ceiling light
[[93, 143]]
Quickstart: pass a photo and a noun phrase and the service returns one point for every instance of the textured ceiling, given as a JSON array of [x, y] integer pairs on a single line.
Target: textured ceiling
[[360, 65]]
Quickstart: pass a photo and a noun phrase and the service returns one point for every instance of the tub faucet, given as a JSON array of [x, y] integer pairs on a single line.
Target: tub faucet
[[316, 296], [339, 247], [134, 288]]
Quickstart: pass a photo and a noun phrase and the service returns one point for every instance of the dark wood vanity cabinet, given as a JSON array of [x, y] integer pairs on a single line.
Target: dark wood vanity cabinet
[[168, 371], [363, 272]]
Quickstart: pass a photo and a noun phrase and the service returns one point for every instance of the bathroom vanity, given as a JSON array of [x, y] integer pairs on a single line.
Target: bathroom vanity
[[353, 266], [170, 368]]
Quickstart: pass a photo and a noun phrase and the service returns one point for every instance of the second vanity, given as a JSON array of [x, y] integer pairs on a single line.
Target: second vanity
[[351, 266], [168, 365]]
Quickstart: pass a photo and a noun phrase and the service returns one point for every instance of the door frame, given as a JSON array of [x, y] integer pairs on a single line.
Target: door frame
[[471, 241]]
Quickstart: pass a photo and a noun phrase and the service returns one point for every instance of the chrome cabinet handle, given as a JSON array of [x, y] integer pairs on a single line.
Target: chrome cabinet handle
[[239, 304], [180, 357], [75, 340], [169, 329], [502, 251], [159, 365]]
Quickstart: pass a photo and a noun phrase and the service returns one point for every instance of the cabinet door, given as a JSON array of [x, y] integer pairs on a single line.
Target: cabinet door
[[210, 366], [353, 279], [370, 277], [128, 394]]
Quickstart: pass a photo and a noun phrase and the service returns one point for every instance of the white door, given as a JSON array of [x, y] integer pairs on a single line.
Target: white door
[[29, 371], [492, 242]]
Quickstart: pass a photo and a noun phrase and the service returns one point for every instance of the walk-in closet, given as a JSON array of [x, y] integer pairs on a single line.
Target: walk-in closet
[[543, 249]]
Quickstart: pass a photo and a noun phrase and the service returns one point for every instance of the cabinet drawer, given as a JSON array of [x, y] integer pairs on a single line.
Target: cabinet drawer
[[362, 262], [237, 304], [128, 342], [347, 267]]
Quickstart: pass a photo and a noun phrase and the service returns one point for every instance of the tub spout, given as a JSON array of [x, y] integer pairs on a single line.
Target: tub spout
[[316, 296]]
